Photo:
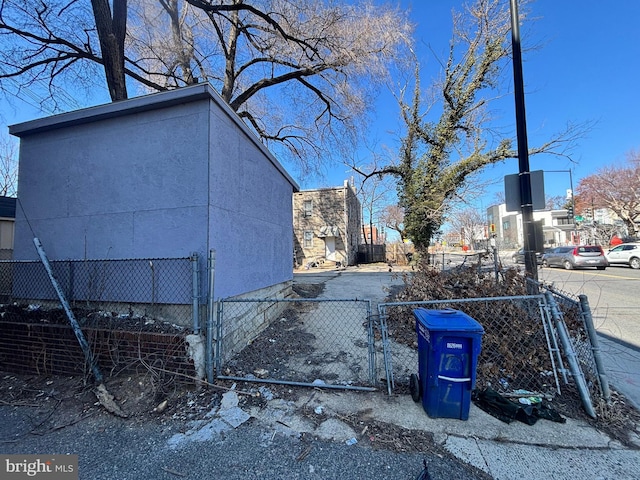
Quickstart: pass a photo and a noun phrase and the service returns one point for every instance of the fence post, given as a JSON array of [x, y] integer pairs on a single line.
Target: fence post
[[571, 355], [595, 346], [195, 293], [211, 315]]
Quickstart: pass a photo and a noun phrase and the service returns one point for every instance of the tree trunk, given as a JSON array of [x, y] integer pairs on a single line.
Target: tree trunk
[[230, 59], [183, 48], [631, 226], [111, 32]]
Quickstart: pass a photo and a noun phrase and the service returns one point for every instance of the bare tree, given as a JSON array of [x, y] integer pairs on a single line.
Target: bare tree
[[374, 192], [302, 74], [112, 29], [556, 202], [393, 218], [470, 223], [8, 167], [599, 233], [615, 188]]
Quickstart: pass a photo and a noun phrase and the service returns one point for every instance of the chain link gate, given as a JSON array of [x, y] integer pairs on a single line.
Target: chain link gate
[[503, 365], [574, 318], [305, 342]]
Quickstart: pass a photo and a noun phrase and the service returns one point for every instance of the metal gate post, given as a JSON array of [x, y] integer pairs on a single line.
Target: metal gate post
[[195, 293], [569, 351], [371, 338], [585, 309], [211, 315]]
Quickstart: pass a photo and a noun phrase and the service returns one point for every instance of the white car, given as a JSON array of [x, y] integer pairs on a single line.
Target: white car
[[625, 254]]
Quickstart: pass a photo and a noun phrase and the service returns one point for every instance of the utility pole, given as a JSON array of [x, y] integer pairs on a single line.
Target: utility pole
[[526, 200]]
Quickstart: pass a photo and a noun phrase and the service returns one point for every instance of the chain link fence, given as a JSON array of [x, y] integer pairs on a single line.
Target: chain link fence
[[133, 312], [333, 343], [133, 288], [312, 342], [516, 329]]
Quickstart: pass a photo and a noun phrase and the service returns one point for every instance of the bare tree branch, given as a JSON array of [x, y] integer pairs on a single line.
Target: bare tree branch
[[304, 71]]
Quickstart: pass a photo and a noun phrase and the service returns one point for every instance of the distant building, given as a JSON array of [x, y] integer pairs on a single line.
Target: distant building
[[557, 227], [596, 226], [7, 222], [372, 235], [326, 225]]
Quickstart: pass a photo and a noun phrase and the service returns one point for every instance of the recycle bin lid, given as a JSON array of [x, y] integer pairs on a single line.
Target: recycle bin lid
[[449, 320]]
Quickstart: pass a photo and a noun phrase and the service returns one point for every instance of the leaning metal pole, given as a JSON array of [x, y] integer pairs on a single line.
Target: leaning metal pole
[[84, 345], [211, 317], [595, 347], [526, 202], [574, 364], [195, 293]]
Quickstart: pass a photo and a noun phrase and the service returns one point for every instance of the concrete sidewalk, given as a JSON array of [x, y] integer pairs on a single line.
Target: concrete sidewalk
[[505, 451], [622, 364]]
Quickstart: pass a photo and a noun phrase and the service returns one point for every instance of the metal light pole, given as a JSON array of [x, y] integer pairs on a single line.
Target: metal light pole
[[526, 201]]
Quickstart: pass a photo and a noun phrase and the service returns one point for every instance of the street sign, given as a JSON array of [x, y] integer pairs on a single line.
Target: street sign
[[512, 191], [579, 218]]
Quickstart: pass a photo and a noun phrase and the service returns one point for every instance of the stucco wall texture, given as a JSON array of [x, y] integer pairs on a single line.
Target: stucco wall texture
[[159, 176]]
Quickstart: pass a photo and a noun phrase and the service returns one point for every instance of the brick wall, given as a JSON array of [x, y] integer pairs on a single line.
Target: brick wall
[[40, 349]]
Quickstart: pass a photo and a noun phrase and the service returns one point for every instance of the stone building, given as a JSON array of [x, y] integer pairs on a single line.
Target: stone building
[[326, 226]]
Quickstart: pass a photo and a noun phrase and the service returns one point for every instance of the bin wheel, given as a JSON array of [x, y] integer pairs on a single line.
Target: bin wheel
[[414, 387]]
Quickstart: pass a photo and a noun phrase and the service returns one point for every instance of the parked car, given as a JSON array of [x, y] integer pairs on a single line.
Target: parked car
[[625, 254], [577, 256], [518, 257]]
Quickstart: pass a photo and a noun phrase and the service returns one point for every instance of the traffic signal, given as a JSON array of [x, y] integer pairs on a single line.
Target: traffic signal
[[570, 211]]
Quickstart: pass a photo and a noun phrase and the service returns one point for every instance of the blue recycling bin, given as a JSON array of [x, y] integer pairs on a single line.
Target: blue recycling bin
[[449, 343]]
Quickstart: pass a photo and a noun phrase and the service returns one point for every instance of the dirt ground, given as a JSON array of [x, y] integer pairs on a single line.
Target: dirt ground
[[58, 402]]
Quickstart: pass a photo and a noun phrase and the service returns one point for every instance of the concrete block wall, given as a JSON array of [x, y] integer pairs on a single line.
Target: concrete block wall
[[243, 321]]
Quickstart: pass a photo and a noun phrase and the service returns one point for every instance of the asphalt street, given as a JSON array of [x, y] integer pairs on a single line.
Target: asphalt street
[[111, 448]]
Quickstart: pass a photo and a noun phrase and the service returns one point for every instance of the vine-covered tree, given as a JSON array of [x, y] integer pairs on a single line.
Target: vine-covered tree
[[301, 73], [448, 138], [616, 188]]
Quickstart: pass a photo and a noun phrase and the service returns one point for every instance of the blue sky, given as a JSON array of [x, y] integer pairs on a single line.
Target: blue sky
[[587, 69]]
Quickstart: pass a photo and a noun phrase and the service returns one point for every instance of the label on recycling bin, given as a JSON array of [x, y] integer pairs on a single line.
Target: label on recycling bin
[[424, 333], [454, 346]]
